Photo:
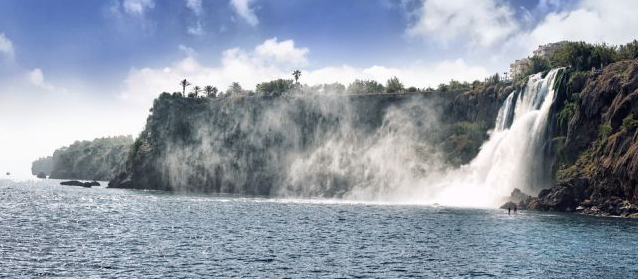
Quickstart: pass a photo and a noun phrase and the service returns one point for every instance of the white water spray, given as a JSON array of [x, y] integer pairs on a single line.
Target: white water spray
[[511, 156]]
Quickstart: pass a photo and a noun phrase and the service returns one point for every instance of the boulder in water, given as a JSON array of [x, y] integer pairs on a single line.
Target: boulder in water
[[519, 199], [41, 175], [80, 183], [8, 173], [518, 196], [507, 205]]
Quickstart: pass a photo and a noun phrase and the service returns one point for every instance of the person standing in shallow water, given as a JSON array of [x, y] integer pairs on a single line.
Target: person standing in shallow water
[[514, 208], [509, 208]]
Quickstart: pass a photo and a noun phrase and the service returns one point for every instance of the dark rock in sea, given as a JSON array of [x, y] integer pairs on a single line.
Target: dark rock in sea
[[8, 173], [80, 183], [121, 181], [509, 205], [519, 199], [41, 175], [518, 196]]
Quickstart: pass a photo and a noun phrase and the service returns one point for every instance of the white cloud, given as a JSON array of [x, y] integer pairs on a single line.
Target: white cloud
[[196, 30], [592, 21], [272, 60], [195, 6], [282, 52], [419, 75], [188, 51], [137, 7], [482, 22], [37, 78], [496, 37], [243, 9], [6, 46]]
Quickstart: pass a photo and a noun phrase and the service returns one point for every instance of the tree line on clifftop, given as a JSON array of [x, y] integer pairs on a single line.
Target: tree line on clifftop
[[577, 56], [581, 56], [279, 87]]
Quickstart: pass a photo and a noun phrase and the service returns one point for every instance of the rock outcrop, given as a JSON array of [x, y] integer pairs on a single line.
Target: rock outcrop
[[320, 146], [80, 183], [42, 165], [99, 159], [518, 199], [595, 145]]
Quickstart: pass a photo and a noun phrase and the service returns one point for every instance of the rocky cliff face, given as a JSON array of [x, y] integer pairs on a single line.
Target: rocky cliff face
[[368, 146], [361, 146], [42, 165], [99, 159], [595, 142]]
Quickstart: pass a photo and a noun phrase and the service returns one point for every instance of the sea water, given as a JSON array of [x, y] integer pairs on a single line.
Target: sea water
[[50, 230]]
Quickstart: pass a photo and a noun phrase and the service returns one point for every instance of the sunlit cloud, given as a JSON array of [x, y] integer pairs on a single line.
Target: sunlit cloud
[[37, 78], [277, 59], [195, 6], [481, 23], [244, 10], [137, 7]]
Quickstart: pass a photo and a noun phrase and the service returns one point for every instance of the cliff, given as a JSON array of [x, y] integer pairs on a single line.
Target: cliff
[[42, 165], [99, 159], [594, 145], [307, 146], [368, 146]]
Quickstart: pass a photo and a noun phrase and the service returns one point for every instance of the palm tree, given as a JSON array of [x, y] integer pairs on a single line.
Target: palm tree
[[196, 90], [184, 83], [211, 91], [235, 88], [296, 74]]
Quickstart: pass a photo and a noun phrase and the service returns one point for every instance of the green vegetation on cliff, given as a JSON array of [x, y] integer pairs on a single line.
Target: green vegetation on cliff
[[99, 159], [308, 144], [595, 146], [42, 165]]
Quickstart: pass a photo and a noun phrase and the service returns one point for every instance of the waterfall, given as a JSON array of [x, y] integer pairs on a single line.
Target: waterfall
[[512, 156]]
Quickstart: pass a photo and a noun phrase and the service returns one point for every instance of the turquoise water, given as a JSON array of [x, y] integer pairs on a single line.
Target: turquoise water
[[62, 231]]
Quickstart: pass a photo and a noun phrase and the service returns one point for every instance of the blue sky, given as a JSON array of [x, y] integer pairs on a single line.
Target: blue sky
[[78, 69], [100, 41]]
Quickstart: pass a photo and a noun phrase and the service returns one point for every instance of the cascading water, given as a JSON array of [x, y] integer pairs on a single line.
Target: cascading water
[[512, 157]]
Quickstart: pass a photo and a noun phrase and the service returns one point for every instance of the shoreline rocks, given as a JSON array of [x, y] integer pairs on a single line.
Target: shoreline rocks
[[518, 198], [80, 183]]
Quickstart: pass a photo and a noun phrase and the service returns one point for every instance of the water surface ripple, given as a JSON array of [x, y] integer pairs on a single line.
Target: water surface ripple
[[60, 231]]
